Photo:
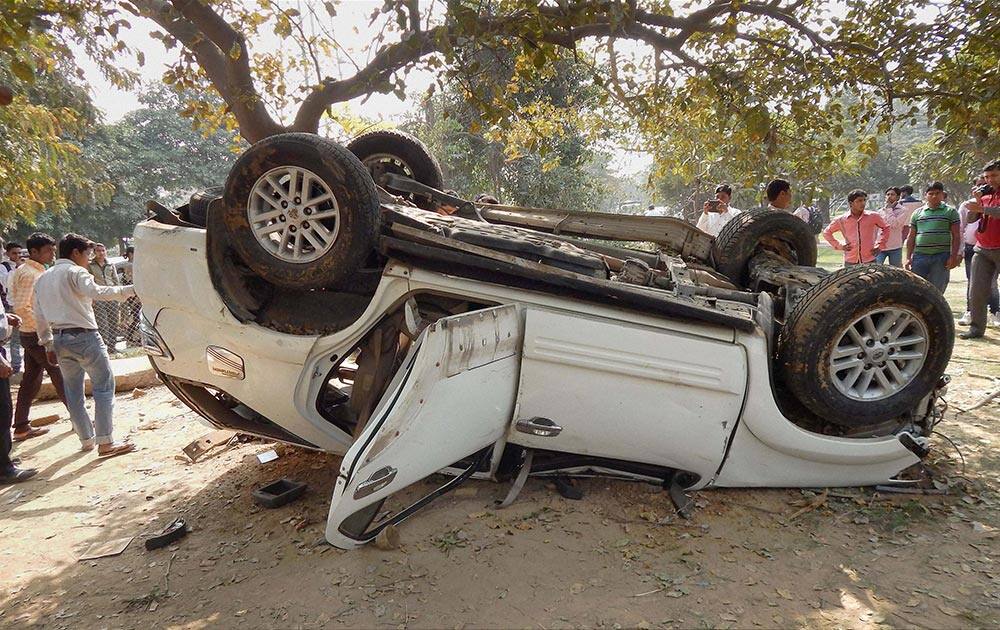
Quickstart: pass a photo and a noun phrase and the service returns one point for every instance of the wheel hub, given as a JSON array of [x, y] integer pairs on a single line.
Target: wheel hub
[[280, 202], [879, 354]]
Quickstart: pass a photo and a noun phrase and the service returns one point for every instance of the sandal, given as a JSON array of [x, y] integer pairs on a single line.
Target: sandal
[[30, 433], [116, 450]]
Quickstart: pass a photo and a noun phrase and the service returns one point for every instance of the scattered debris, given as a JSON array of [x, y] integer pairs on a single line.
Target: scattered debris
[[267, 456], [106, 549], [138, 393], [817, 501], [278, 493], [909, 490], [173, 532], [45, 421], [985, 399], [388, 538], [197, 449]]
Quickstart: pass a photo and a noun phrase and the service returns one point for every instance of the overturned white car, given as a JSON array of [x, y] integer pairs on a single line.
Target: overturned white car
[[307, 304]]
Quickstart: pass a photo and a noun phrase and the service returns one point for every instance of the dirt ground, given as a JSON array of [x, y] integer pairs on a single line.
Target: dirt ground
[[618, 558]]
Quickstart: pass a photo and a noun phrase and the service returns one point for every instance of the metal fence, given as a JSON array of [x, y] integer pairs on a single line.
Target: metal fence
[[118, 323]]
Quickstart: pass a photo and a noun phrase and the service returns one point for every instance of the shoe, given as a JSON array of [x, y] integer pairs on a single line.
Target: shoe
[[17, 475], [966, 319], [30, 433], [115, 449], [87, 445], [971, 335]]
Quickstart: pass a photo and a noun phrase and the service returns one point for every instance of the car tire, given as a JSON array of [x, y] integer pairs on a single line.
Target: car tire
[[861, 378], [746, 234], [389, 151], [197, 212], [301, 239]]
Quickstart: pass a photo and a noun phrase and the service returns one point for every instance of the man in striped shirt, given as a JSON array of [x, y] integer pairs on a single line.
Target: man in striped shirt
[[934, 239]]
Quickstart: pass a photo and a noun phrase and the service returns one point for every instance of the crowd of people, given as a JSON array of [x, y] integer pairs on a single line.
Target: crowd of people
[[48, 291], [928, 237]]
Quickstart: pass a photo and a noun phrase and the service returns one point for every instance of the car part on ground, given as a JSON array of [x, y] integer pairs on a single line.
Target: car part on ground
[[866, 344], [385, 152], [301, 211]]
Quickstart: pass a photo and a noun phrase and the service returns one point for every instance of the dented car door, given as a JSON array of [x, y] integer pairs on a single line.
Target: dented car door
[[452, 398]]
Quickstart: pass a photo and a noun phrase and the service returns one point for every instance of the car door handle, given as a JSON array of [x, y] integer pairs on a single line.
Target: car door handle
[[379, 479], [542, 427]]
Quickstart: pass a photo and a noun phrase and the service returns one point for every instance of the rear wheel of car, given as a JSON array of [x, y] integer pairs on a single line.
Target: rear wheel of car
[[754, 231], [866, 344], [386, 151], [197, 212], [301, 211]]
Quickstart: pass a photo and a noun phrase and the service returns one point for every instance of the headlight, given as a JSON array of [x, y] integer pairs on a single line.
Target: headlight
[[152, 343]]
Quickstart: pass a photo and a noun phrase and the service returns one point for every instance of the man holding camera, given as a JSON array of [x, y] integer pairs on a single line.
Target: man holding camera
[[717, 212], [984, 206]]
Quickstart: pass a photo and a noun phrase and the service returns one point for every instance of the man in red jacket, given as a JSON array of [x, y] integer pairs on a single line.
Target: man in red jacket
[[985, 206]]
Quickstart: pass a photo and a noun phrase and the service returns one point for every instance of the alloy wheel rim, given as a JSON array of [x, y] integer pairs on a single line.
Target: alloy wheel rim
[[879, 354], [293, 214]]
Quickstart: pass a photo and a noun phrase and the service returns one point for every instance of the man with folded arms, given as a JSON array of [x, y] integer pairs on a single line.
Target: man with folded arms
[[64, 313]]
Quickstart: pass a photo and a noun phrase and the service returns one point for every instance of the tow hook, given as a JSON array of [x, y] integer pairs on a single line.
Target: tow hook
[[917, 446]]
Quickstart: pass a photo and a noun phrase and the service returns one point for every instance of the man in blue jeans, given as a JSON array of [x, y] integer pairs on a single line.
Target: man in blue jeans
[[64, 313], [934, 239]]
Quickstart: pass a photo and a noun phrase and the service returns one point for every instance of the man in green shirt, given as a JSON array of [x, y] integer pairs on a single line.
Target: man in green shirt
[[934, 239]]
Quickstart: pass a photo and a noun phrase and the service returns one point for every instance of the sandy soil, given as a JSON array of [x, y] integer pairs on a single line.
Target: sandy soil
[[617, 558]]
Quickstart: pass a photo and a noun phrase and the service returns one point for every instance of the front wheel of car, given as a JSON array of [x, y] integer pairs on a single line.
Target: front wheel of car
[[866, 344], [301, 211]]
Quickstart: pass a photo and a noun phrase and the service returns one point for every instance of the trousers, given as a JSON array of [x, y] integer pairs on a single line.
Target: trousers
[[84, 353], [982, 281], [35, 365]]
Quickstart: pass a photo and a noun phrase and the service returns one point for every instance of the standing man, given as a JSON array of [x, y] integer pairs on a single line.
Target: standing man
[[11, 261], [969, 231], [41, 252], [896, 217], [779, 195], [859, 229], [984, 206], [64, 310], [105, 275], [934, 239], [9, 473], [717, 213]]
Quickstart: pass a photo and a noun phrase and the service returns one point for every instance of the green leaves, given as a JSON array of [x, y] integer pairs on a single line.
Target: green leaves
[[22, 70]]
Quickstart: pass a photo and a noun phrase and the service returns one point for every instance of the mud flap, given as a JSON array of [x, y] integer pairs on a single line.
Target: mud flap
[[451, 401]]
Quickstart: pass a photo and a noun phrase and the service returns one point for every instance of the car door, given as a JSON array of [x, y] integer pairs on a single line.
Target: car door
[[451, 400], [624, 391]]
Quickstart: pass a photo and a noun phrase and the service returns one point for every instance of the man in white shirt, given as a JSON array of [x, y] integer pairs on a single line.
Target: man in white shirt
[[779, 196], [717, 213], [64, 314]]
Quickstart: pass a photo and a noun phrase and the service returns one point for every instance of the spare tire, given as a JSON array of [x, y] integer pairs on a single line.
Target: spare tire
[[753, 231], [866, 344], [388, 151], [197, 211], [301, 211]]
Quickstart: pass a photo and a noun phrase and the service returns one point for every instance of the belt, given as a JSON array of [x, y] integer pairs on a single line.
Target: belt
[[74, 331]]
